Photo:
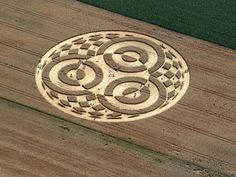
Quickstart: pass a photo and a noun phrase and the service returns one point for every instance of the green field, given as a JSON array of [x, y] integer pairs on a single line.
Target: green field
[[211, 20]]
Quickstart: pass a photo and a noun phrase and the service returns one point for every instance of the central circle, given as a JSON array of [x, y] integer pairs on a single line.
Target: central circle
[[80, 74], [72, 74], [130, 56], [112, 76]]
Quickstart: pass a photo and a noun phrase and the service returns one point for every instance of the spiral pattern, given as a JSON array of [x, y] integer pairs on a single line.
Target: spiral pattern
[[112, 76]]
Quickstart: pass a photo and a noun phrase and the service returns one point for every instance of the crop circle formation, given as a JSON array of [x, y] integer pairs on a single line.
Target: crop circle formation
[[112, 76]]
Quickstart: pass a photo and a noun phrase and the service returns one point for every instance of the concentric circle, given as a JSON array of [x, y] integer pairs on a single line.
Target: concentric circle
[[112, 76]]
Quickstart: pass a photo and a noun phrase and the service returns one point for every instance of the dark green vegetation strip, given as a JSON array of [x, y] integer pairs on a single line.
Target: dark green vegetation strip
[[158, 157], [211, 20]]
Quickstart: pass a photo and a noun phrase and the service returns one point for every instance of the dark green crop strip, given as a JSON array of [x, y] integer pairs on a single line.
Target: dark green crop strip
[[211, 20]]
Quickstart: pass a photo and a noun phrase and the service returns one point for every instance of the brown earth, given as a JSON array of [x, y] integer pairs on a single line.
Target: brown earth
[[196, 137]]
